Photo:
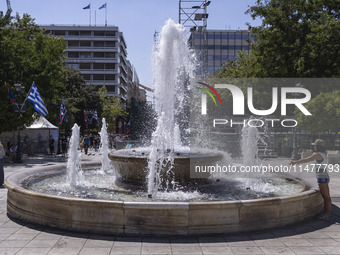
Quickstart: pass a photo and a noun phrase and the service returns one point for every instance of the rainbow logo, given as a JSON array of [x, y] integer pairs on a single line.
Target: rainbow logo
[[209, 93]]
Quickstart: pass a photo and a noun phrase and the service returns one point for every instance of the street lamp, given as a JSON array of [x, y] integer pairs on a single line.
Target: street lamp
[[19, 107]]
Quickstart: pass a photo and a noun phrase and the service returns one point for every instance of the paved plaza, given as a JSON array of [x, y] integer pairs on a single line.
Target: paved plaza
[[309, 237]]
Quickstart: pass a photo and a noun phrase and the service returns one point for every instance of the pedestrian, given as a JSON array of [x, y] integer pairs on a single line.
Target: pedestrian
[[320, 161], [81, 143], [86, 143], [64, 146], [91, 141], [96, 143], [12, 152], [2, 174], [51, 145]]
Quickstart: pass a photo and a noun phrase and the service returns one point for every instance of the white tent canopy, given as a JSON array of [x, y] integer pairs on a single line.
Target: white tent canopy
[[42, 123]]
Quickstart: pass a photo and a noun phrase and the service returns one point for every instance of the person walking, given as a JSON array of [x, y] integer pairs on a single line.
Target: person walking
[[2, 174], [86, 143], [51, 144], [322, 177]]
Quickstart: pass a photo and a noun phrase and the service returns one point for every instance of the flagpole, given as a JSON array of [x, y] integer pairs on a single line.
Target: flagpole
[[90, 14], [95, 18], [29, 92], [106, 15]]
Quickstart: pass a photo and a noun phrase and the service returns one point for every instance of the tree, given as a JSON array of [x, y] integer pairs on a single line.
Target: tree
[[297, 38], [28, 54], [326, 109], [112, 108], [79, 97], [142, 120]]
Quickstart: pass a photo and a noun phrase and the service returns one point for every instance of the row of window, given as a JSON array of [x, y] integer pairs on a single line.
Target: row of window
[[83, 33], [222, 47], [100, 77], [218, 57], [94, 66], [85, 55], [91, 44], [231, 36]]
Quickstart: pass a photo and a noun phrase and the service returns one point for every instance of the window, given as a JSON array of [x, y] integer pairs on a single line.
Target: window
[[85, 66], [110, 33], [85, 43], [85, 55], [99, 54], [110, 44], [110, 77], [99, 33], [73, 54], [110, 66], [98, 66], [73, 33], [98, 44], [85, 33], [59, 32], [73, 43], [98, 77], [109, 55]]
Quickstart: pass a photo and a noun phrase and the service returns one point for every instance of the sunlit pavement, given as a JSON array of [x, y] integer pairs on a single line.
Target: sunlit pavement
[[309, 237]]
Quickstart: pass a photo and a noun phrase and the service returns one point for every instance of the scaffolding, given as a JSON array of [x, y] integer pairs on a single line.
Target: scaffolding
[[193, 15]]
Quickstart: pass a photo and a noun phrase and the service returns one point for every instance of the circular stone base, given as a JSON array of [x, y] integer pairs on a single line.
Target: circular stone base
[[132, 165], [154, 218]]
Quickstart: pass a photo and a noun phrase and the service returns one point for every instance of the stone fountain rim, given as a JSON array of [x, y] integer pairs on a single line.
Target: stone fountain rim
[[153, 218], [115, 154], [15, 182]]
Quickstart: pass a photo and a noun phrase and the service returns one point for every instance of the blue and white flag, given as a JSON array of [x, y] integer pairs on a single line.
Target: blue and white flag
[[87, 7], [103, 6], [35, 98], [95, 116], [63, 114]]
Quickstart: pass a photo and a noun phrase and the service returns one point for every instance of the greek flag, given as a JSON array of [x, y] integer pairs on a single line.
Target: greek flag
[[87, 7], [63, 114], [103, 6], [95, 116], [35, 98], [11, 98]]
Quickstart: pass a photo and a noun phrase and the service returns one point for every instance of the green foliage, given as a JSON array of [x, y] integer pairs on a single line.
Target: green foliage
[[79, 97], [326, 111], [297, 38], [112, 108], [142, 120], [28, 54], [238, 68]]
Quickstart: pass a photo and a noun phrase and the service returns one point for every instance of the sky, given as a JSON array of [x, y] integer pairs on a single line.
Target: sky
[[137, 19]]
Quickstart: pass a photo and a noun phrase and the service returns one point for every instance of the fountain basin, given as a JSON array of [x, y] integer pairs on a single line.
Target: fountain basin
[[153, 218], [132, 165]]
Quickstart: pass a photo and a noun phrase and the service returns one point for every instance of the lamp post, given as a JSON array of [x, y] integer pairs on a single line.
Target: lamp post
[[19, 107], [88, 113]]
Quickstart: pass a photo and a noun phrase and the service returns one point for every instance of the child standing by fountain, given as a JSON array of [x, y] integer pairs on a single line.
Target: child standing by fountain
[[320, 160]]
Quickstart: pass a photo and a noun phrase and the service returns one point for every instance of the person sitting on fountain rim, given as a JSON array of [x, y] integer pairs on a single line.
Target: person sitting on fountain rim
[[320, 159]]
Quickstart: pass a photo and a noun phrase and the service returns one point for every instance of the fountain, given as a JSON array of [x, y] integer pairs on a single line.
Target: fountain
[[152, 192]]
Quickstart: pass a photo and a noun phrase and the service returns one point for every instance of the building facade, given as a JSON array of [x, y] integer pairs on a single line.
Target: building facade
[[99, 53], [214, 47]]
